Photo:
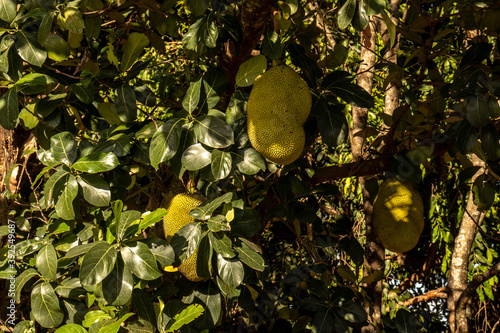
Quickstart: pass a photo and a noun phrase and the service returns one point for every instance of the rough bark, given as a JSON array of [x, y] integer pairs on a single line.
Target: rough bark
[[374, 253], [457, 276]]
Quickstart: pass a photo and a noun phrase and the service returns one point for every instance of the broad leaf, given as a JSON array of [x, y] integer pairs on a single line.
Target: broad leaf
[[204, 258], [192, 96], [477, 111], [221, 244], [71, 328], [45, 27], [135, 45], [196, 7], [46, 262], [246, 223], [250, 257], [117, 286], [140, 260], [484, 193], [333, 126], [353, 94], [184, 317], [9, 109], [63, 148], [196, 157], [95, 190], [29, 49], [45, 305], [248, 161], [125, 220], [230, 270], [165, 141], [21, 281], [208, 295], [221, 164], [204, 211], [65, 206], [346, 13], [85, 94], [97, 264], [96, 162], [57, 48], [323, 321], [8, 10], [213, 132], [250, 70], [125, 103]]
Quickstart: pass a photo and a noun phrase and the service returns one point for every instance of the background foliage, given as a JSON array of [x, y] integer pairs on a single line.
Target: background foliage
[[111, 107]]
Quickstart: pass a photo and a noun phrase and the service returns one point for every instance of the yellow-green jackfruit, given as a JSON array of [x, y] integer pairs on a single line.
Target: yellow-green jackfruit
[[398, 215], [177, 217], [278, 107]]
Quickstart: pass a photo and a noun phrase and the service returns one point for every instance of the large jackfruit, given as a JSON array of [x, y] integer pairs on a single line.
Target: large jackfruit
[[278, 107], [398, 215], [177, 217]]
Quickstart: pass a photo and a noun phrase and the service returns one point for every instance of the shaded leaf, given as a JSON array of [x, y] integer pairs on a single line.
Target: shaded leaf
[[230, 270], [45, 305], [125, 103], [221, 164], [140, 260], [46, 262], [250, 70], [346, 13], [213, 132], [135, 45], [95, 190], [165, 141], [97, 264], [250, 257], [9, 109], [29, 49]]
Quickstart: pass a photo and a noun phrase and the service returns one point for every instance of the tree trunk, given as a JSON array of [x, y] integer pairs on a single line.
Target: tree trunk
[[374, 253], [457, 276]]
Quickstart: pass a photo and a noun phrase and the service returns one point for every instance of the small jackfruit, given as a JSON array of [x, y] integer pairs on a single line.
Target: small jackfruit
[[278, 107], [398, 215], [178, 216]]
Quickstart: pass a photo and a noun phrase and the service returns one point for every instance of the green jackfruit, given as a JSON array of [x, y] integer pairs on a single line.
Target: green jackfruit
[[177, 217], [398, 215], [278, 107]]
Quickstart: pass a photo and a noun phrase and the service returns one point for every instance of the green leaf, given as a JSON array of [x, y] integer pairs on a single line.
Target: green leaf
[[360, 20], [352, 94], [230, 270], [204, 258], [192, 39], [333, 126], [351, 311], [45, 27], [45, 305], [29, 49], [70, 287], [186, 240], [85, 94], [95, 316], [54, 186], [210, 31], [46, 262], [34, 83], [477, 111], [126, 219], [150, 218], [140, 260], [71, 328], [97, 264], [196, 7], [136, 43], [109, 113], [221, 164], [117, 286], [324, 321], [196, 157], [192, 96], [246, 223], [271, 46], [63, 148], [92, 26], [203, 211], [214, 85], [184, 317], [221, 244], [64, 206], [96, 162], [21, 281], [391, 27], [251, 258], [71, 19], [8, 10], [374, 7], [9, 109], [165, 141], [95, 190], [81, 249], [250, 70], [125, 103], [484, 193], [467, 138], [208, 295], [405, 322], [213, 132], [142, 303], [490, 142], [248, 161], [161, 249], [345, 272], [346, 14], [115, 326]]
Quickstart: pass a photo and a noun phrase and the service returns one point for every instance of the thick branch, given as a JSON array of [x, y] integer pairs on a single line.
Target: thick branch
[[477, 280], [457, 277], [437, 293]]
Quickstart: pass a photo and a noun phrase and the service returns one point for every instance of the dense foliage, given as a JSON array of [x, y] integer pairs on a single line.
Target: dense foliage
[[115, 106]]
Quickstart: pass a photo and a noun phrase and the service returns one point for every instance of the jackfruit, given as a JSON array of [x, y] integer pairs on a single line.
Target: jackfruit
[[398, 215], [278, 107], [178, 216]]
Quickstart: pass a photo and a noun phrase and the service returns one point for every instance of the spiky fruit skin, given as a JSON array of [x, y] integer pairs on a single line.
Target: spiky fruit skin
[[177, 217], [278, 107], [398, 215]]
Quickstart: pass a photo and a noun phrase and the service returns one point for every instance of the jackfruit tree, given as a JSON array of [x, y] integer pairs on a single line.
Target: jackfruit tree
[[249, 166]]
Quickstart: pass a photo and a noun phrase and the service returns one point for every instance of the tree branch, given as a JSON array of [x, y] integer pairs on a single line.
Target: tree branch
[[437, 293]]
